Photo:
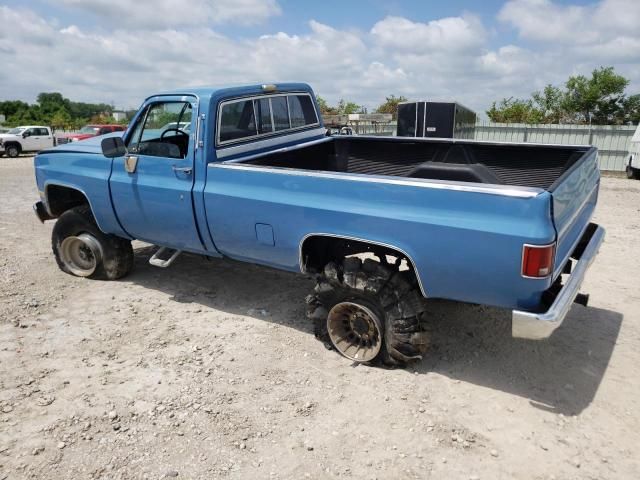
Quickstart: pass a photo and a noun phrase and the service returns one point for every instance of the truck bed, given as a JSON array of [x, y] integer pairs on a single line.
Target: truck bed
[[522, 165]]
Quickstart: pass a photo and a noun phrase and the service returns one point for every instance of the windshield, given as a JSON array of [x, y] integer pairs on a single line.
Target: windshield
[[16, 131], [89, 129]]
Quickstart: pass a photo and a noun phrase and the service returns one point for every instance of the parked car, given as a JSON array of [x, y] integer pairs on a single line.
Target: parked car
[[89, 131], [25, 139], [383, 223]]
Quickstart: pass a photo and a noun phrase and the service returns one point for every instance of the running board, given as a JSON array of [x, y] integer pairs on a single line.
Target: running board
[[156, 261]]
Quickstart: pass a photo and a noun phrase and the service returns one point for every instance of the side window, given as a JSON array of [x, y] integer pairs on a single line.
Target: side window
[[301, 111], [237, 121], [44, 132], [253, 117], [280, 113], [160, 131], [30, 132]]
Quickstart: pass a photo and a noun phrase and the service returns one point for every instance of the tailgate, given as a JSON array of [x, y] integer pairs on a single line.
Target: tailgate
[[574, 198]]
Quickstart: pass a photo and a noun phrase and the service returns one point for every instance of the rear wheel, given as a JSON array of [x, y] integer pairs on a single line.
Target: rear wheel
[[83, 250], [369, 312]]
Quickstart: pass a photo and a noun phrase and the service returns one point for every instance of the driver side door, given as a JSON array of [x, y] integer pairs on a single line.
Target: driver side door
[[30, 141], [152, 185]]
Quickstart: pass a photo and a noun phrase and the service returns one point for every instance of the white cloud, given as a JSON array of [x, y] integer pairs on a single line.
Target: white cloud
[[452, 34], [453, 58], [177, 13]]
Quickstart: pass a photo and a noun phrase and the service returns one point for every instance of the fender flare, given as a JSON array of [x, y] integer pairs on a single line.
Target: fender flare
[[362, 240]]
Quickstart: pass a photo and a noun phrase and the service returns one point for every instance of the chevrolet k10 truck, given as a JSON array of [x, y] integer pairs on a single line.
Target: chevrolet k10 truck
[[384, 223]]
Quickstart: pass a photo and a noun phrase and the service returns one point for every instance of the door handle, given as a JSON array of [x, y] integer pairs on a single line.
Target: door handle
[[185, 170]]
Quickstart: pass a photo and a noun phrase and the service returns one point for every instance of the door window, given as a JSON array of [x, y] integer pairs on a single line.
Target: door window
[[162, 131]]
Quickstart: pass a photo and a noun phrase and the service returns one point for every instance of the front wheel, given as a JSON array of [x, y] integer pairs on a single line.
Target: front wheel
[[83, 250], [12, 150], [369, 312]]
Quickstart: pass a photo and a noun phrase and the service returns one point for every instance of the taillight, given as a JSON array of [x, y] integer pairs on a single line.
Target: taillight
[[537, 261]]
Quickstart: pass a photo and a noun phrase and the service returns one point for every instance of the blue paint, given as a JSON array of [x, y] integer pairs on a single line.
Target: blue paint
[[465, 245]]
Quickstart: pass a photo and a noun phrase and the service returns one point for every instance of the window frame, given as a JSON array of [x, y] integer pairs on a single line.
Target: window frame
[[141, 119], [273, 132]]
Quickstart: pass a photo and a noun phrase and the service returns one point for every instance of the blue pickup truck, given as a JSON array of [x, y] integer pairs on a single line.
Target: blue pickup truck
[[384, 223]]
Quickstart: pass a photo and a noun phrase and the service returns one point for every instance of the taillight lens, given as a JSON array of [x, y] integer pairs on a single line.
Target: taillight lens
[[537, 261]]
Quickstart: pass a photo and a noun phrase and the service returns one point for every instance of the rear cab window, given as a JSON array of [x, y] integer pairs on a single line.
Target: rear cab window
[[259, 116]]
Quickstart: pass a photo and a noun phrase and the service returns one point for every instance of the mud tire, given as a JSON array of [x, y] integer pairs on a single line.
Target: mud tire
[[394, 295]]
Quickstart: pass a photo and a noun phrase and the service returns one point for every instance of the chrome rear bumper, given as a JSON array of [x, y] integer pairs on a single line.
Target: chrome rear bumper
[[536, 326]]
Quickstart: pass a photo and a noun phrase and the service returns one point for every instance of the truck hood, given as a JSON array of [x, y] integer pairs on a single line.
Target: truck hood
[[6, 136], [90, 145]]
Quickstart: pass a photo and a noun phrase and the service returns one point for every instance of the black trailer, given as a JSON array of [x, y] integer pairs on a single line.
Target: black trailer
[[435, 119]]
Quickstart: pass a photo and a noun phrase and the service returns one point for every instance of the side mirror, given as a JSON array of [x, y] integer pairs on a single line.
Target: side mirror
[[113, 147], [26, 134]]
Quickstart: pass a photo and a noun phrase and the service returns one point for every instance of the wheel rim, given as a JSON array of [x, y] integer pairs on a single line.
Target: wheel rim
[[355, 331], [81, 254], [12, 152]]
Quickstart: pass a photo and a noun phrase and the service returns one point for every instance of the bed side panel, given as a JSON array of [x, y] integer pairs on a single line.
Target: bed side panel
[[466, 246]]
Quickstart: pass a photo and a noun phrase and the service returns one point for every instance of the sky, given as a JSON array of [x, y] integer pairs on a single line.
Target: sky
[[471, 51]]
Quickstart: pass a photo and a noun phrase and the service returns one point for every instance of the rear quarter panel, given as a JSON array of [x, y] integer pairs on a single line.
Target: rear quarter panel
[[465, 245]]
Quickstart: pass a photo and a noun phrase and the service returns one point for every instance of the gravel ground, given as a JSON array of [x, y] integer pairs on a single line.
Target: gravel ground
[[210, 370]]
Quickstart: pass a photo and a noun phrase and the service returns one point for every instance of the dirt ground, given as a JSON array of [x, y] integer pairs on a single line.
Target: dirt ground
[[210, 370]]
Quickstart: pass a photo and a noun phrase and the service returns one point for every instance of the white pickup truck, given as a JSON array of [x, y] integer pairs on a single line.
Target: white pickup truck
[[31, 138]]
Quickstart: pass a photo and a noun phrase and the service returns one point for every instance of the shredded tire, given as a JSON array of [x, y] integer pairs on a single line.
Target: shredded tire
[[117, 253], [394, 295]]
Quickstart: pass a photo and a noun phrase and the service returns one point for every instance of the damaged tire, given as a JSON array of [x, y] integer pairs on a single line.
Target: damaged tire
[[369, 312], [83, 250]]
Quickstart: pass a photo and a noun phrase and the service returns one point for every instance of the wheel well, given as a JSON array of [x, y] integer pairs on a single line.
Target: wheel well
[[17, 144], [318, 250], [60, 199]]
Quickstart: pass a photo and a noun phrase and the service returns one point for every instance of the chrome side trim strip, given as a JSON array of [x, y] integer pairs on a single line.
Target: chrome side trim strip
[[268, 142], [502, 190], [363, 240], [391, 138]]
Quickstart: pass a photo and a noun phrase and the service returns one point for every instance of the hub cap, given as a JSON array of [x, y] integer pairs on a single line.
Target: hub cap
[[81, 254], [355, 331]]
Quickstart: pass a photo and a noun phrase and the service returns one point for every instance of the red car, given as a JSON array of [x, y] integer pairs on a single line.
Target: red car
[[89, 131]]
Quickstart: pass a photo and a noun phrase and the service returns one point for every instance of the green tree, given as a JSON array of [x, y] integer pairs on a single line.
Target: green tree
[[599, 99], [550, 104], [325, 109], [631, 109], [390, 105], [11, 107], [515, 110], [346, 107], [60, 120]]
